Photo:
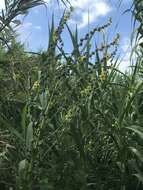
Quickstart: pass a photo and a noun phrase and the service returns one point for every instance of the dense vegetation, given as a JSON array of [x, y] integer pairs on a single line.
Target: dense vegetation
[[69, 121]]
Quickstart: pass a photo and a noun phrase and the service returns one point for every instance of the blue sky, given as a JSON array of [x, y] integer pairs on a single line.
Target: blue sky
[[34, 30]]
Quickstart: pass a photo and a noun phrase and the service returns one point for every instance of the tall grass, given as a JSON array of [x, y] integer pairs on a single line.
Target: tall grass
[[70, 121]]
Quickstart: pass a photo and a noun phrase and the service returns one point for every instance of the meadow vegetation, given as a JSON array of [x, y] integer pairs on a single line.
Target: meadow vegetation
[[69, 121]]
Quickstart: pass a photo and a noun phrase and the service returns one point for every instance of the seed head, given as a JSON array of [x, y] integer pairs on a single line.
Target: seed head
[[36, 85], [102, 76]]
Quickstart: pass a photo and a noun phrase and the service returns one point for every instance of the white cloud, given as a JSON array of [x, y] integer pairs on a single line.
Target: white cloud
[[2, 4], [124, 62], [84, 9], [47, 1], [29, 26], [128, 56], [37, 27], [89, 10], [26, 24]]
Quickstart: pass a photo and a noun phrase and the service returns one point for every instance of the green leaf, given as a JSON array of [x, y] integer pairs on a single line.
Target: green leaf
[[12, 130], [29, 136], [137, 153], [23, 120], [22, 165], [43, 99], [140, 177], [137, 129]]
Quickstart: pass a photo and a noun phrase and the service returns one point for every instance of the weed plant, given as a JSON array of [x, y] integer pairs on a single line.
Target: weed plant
[[69, 121]]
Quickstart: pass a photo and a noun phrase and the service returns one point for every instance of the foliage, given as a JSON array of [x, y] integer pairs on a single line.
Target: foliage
[[69, 121]]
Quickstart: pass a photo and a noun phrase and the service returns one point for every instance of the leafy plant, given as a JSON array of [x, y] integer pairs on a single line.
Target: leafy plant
[[69, 120]]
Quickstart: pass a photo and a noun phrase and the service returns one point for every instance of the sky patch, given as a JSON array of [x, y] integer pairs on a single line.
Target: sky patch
[[88, 11]]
